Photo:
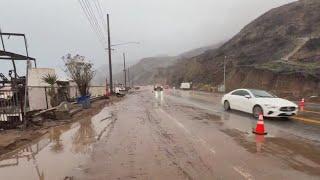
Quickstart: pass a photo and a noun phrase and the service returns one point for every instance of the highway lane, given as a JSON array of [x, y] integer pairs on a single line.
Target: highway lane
[[174, 135], [169, 135]]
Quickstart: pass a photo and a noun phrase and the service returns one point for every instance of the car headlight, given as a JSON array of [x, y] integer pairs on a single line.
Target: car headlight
[[269, 106]]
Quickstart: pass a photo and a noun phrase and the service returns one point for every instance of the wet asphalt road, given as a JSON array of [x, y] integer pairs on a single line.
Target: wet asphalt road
[[169, 135]]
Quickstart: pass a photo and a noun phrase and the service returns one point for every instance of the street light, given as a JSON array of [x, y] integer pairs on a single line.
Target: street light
[[224, 74], [124, 59], [120, 44], [124, 65], [125, 43], [109, 53]]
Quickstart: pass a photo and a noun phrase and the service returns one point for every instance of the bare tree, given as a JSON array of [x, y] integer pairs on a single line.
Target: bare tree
[[80, 71]]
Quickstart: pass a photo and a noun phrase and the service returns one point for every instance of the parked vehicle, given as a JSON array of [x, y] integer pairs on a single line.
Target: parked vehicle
[[258, 101], [185, 85]]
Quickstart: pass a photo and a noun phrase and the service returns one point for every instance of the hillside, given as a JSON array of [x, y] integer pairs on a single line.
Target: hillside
[[152, 70], [147, 70], [277, 51], [103, 71], [199, 51]]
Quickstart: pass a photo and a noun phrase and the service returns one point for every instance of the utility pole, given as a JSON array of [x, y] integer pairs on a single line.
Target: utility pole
[[132, 78], [224, 73], [125, 71], [109, 51], [129, 77]]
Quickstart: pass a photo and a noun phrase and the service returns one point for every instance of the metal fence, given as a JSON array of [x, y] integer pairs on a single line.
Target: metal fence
[[11, 107], [38, 98]]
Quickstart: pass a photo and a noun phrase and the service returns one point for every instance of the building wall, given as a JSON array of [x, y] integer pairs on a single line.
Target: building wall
[[96, 91], [36, 88]]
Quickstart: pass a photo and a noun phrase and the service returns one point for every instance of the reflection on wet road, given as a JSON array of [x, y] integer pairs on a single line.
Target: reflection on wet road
[[169, 135], [291, 143], [58, 153]]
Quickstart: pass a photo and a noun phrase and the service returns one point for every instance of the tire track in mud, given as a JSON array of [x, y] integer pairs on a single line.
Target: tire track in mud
[[130, 144], [110, 126], [217, 122], [183, 156], [201, 115], [162, 137]]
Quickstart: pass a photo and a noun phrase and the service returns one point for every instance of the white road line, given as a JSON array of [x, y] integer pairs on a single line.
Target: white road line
[[243, 173], [238, 169], [202, 141]]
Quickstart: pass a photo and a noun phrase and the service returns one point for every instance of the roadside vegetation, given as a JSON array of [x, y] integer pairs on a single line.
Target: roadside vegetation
[[80, 70]]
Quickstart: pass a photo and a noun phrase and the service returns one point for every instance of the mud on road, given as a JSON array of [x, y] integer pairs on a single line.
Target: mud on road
[[12, 139], [161, 136], [165, 135]]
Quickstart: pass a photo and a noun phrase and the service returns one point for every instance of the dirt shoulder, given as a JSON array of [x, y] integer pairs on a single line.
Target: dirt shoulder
[[16, 138]]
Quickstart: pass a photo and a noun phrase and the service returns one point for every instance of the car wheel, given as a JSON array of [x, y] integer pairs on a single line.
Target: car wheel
[[226, 105], [257, 110]]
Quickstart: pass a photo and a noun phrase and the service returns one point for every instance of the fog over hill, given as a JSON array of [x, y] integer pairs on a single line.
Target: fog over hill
[[278, 51], [149, 70]]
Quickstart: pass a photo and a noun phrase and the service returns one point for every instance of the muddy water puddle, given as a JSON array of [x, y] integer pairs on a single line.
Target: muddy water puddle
[[285, 148], [299, 154], [59, 153]]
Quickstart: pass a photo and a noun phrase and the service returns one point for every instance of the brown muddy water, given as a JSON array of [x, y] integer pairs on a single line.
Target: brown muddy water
[[59, 153]]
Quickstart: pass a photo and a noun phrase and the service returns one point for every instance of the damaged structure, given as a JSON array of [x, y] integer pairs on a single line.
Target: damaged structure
[[13, 89]]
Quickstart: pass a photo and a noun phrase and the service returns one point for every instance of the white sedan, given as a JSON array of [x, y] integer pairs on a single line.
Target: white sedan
[[258, 101]]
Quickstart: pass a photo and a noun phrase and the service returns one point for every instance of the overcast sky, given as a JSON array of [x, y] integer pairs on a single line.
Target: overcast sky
[[163, 27]]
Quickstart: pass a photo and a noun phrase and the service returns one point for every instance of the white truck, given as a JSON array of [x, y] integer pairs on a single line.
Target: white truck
[[186, 85], [120, 91]]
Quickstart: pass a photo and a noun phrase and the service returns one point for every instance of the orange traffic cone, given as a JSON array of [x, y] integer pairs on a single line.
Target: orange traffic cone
[[301, 104], [260, 126]]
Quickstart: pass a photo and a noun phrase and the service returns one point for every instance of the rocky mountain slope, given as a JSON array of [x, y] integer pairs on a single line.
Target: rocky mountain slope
[[147, 70], [268, 53]]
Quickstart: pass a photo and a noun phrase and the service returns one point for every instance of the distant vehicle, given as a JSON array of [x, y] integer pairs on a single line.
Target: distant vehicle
[[185, 85], [120, 91], [258, 101], [158, 88]]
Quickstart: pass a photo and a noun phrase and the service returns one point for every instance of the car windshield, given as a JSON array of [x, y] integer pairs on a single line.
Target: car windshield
[[262, 94]]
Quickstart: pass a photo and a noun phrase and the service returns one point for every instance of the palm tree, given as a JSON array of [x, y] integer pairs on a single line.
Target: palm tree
[[51, 79]]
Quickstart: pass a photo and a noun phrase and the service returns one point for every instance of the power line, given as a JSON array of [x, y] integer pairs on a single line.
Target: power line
[[100, 12], [102, 33], [95, 19], [89, 19], [85, 11]]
